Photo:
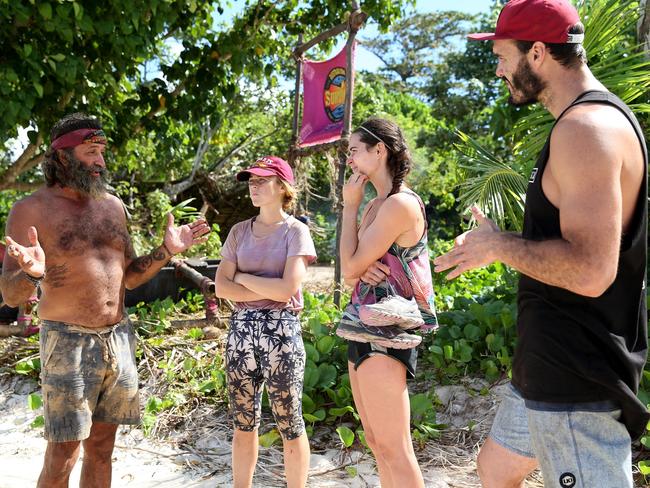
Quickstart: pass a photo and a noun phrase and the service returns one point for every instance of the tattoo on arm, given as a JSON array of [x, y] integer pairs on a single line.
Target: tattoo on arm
[[158, 254], [55, 275], [143, 263]]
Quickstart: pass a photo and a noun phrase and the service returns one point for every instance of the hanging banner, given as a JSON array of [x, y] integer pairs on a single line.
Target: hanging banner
[[324, 99]]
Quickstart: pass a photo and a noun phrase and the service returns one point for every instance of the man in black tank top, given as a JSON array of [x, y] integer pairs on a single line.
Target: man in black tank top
[[572, 407]]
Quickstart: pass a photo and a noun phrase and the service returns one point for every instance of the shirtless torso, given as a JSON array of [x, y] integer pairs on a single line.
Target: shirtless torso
[[87, 249], [70, 239]]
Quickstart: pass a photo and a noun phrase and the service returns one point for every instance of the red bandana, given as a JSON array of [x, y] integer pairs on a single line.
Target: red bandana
[[80, 136]]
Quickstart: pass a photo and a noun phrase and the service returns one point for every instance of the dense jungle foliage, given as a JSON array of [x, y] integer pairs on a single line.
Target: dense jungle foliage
[[188, 96]]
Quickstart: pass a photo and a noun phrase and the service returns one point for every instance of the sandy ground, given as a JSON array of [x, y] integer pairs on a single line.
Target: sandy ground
[[143, 462], [320, 278]]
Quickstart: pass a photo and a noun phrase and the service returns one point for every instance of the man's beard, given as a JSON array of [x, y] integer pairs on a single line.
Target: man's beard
[[80, 178], [525, 84]]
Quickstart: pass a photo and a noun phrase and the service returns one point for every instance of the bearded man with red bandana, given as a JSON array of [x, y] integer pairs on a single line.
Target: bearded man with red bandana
[[69, 240]]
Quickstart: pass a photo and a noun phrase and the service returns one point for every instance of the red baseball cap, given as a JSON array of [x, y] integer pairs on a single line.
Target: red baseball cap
[[535, 20], [268, 166]]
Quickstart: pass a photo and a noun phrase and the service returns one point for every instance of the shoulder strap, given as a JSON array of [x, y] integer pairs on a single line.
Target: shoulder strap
[[608, 98], [585, 96]]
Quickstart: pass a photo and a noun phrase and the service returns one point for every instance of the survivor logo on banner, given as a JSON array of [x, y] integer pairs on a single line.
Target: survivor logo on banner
[[324, 85]]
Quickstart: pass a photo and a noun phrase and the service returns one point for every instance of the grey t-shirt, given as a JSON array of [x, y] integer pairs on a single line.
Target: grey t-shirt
[[266, 256]]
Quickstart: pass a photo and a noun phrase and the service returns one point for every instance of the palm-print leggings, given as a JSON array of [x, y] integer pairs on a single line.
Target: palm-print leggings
[[265, 346]]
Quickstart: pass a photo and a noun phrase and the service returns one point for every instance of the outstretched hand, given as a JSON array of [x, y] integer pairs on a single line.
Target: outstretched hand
[[473, 249], [179, 239], [31, 259]]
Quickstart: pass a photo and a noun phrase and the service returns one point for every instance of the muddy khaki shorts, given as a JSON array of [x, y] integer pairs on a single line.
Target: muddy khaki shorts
[[87, 375]]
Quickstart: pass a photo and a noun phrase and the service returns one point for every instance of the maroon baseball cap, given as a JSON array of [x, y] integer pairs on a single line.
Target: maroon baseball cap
[[268, 166], [535, 20]]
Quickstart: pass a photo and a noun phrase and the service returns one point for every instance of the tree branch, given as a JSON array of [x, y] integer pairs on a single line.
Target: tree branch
[[26, 161], [215, 167], [22, 186], [188, 182], [354, 22], [207, 131]]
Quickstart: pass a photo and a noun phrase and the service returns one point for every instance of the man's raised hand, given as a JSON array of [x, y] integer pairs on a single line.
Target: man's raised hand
[[473, 249], [179, 239], [31, 259]]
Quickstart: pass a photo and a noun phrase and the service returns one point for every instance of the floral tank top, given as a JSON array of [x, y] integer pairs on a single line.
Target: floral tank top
[[410, 276]]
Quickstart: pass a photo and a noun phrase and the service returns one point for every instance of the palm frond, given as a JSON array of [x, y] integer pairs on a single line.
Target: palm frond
[[493, 185], [499, 188]]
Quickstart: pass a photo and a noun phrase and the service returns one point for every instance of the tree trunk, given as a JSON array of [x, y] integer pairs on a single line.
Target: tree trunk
[[643, 31], [356, 21]]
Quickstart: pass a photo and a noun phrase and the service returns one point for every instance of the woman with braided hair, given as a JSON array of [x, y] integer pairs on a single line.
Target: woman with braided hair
[[385, 254]]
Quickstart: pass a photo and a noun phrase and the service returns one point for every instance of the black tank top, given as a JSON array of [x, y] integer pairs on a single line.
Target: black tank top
[[573, 348]]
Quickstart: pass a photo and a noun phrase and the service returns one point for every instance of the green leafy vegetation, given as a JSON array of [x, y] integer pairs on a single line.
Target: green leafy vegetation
[[327, 394], [189, 96], [477, 315]]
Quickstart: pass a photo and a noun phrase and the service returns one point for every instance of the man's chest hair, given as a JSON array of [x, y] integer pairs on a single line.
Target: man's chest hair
[[79, 232]]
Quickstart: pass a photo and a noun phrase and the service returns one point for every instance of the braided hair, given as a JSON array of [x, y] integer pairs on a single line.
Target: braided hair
[[375, 130]]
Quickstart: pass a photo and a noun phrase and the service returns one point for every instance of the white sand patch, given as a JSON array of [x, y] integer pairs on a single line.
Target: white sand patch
[[141, 462], [198, 454], [137, 462]]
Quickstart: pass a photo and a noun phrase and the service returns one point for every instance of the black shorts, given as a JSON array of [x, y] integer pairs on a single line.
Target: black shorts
[[358, 352]]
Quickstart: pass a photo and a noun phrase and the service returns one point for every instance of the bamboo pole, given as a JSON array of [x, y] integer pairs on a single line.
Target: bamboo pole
[[356, 20], [293, 150], [352, 25]]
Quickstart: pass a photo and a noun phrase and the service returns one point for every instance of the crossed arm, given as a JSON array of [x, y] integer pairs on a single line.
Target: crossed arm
[[245, 287]]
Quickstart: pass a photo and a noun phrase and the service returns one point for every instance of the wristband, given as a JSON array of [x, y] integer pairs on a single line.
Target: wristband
[[33, 280]]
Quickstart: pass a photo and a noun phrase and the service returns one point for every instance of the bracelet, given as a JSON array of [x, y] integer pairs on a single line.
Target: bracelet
[[33, 280], [171, 254]]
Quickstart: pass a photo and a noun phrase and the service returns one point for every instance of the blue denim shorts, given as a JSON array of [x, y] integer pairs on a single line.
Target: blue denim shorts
[[576, 445]]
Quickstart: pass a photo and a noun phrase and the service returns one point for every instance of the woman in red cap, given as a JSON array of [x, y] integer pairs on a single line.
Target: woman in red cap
[[263, 263]]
